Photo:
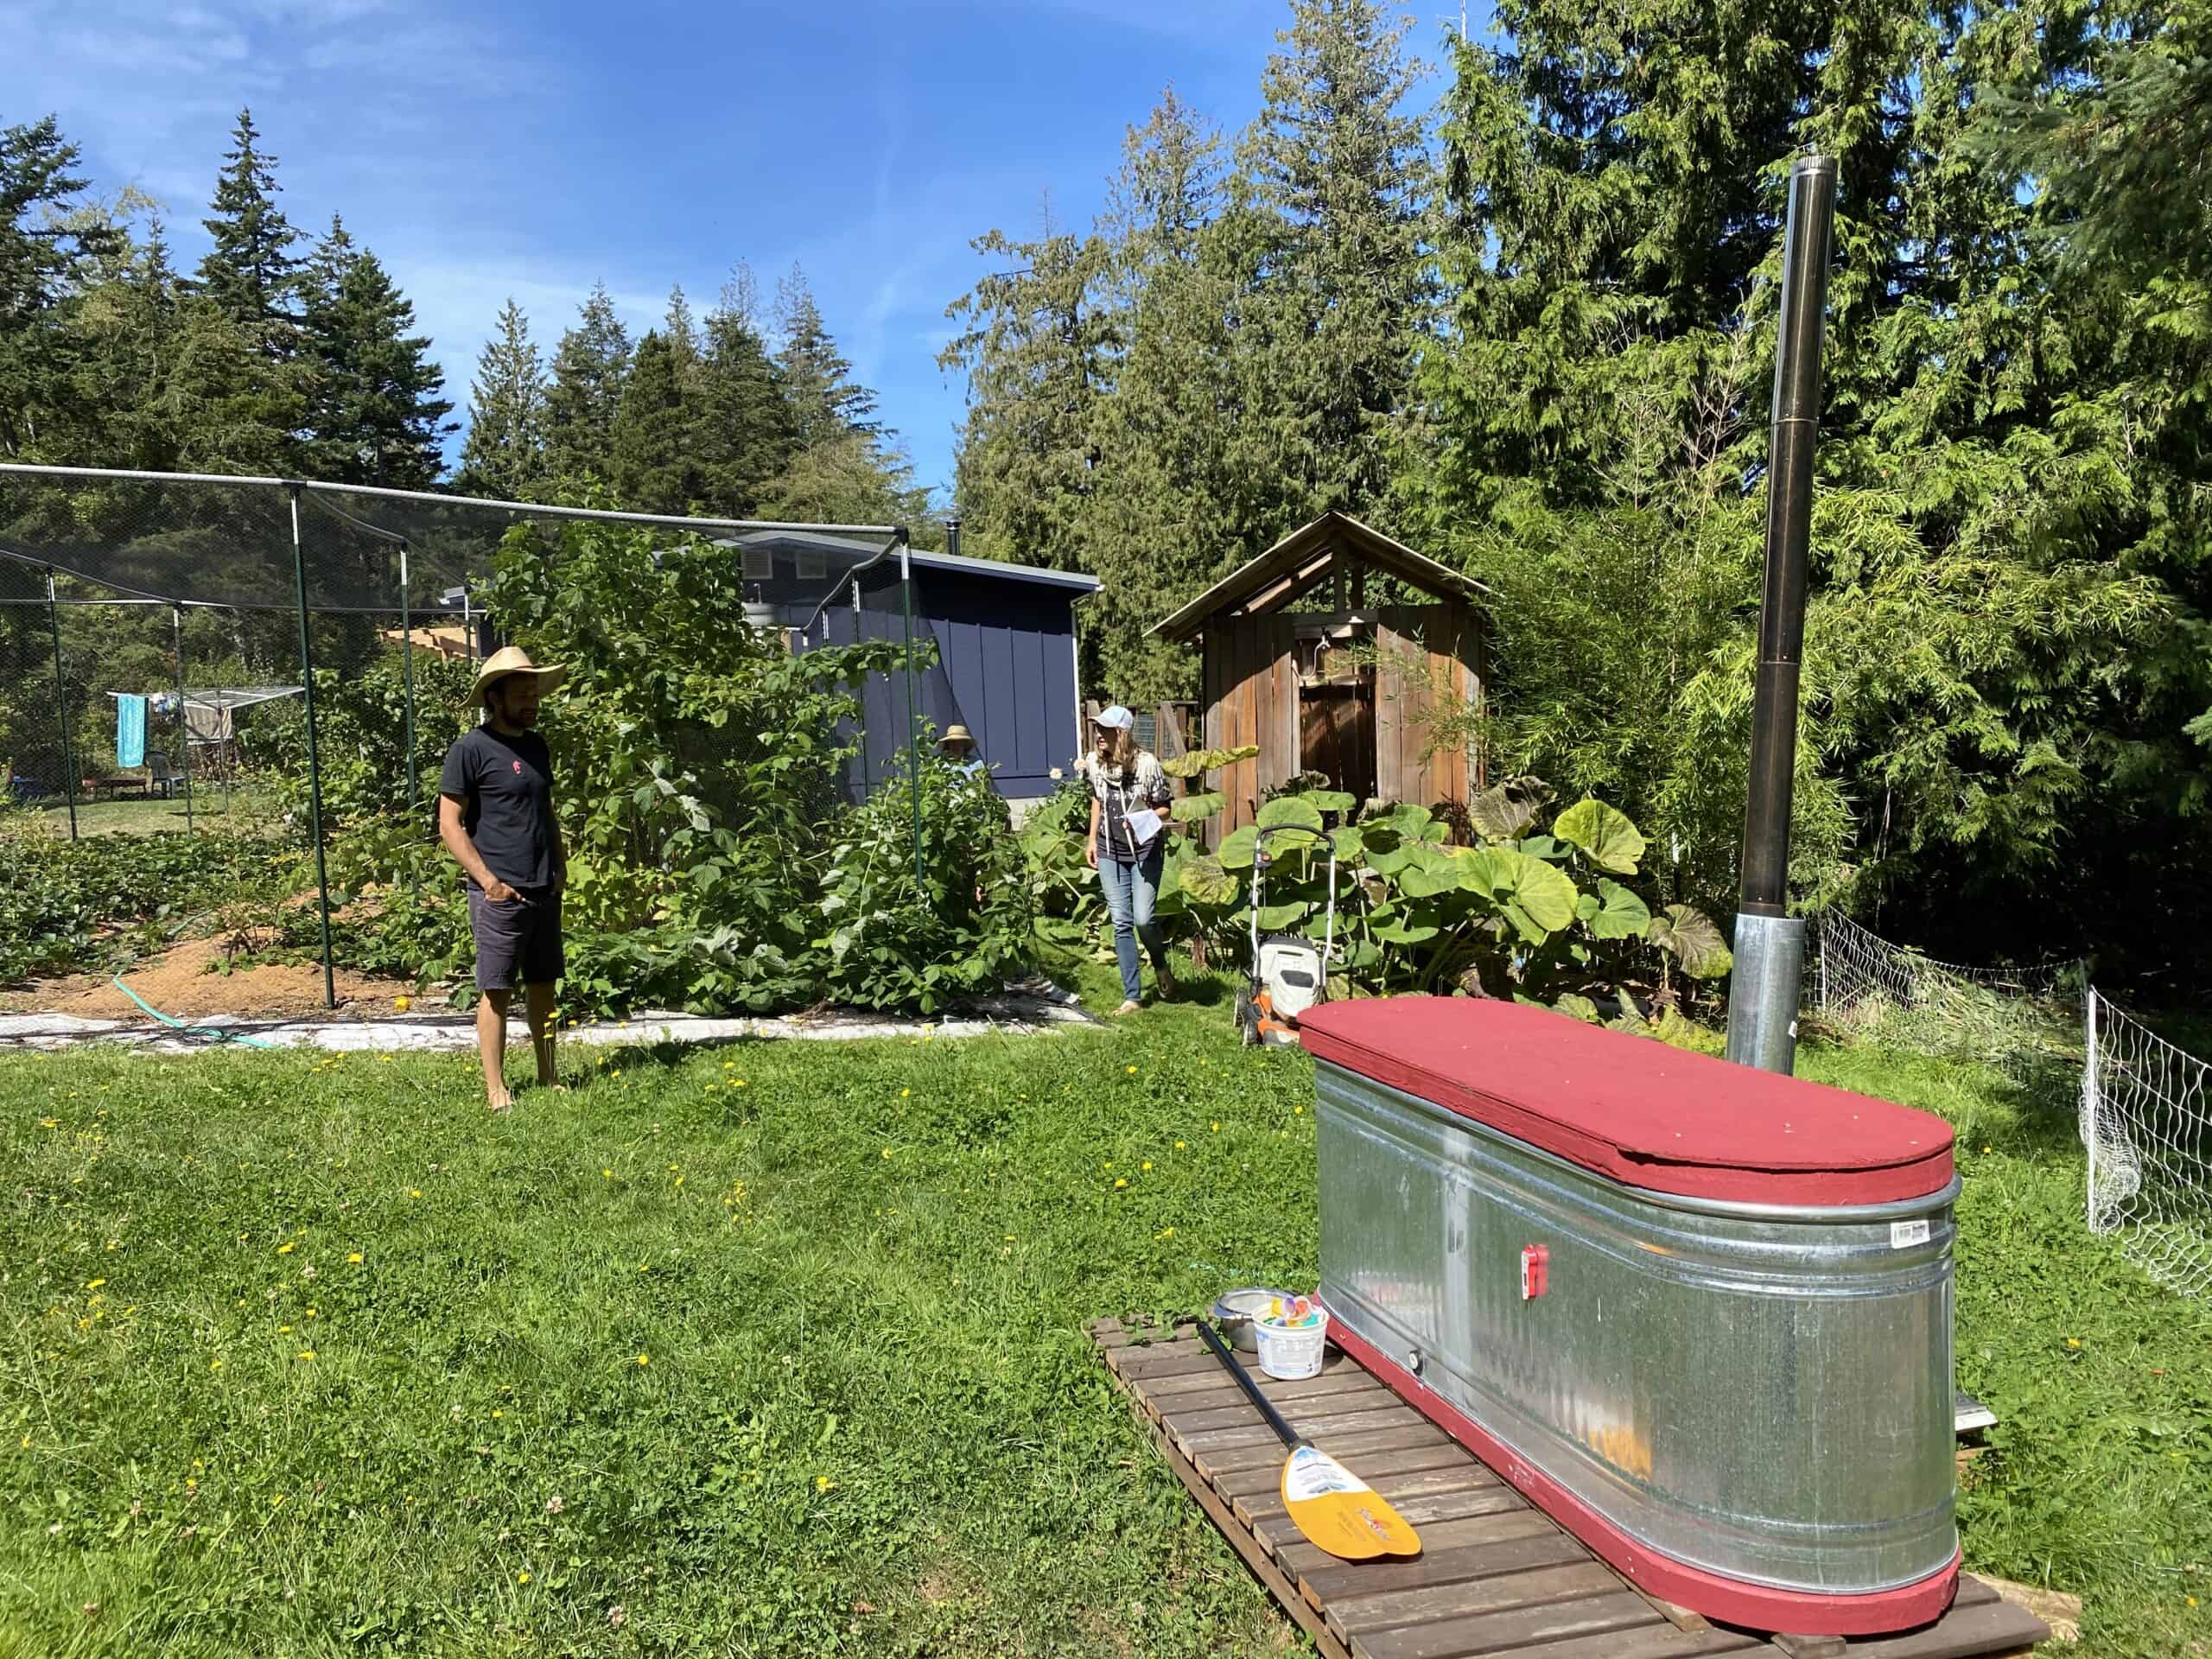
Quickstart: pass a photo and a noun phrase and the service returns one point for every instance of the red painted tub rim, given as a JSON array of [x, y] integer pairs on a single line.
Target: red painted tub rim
[[1636, 1110]]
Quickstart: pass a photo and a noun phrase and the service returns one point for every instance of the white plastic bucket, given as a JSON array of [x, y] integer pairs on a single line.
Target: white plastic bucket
[[1290, 1352]]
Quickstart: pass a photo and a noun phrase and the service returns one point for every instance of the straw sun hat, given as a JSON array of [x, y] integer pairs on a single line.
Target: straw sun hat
[[505, 662]]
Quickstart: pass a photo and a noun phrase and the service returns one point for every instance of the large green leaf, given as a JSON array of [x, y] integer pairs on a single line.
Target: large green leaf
[[1292, 809], [1691, 936], [1404, 933], [1350, 844], [1203, 879], [1392, 860], [1545, 892], [1614, 912], [1428, 871], [1578, 1008], [1415, 822], [1505, 810], [1273, 917], [1189, 809], [1603, 832], [1199, 760], [1330, 800], [1236, 853]]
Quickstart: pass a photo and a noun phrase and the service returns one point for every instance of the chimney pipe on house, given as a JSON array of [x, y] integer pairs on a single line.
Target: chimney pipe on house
[[952, 535]]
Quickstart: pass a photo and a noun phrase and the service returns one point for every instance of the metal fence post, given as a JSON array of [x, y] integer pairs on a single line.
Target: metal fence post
[[183, 715], [407, 673], [913, 736], [62, 705], [315, 757]]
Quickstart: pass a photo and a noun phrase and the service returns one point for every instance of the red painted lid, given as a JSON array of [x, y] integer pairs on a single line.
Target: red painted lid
[[1635, 1110]]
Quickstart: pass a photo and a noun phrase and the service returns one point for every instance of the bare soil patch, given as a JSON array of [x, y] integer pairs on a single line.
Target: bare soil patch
[[186, 982]]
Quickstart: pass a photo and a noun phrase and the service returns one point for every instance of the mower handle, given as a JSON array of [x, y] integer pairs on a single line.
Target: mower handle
[[1260, 862]]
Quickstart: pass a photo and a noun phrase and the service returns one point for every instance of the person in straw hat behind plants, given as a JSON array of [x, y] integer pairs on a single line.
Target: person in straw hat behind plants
[[495, 816]]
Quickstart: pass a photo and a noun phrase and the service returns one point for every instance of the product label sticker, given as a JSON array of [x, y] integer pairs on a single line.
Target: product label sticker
[[1311, 1474], [1903, 1234]]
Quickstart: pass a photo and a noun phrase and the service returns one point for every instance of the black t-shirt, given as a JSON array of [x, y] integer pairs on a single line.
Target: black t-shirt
[[505, 784]]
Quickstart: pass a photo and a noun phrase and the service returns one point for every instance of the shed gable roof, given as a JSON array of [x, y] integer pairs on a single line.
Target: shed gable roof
[[1301, 559]]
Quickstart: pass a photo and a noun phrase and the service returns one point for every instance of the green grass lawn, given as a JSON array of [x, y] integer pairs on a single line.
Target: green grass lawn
[[778, 1349], [135, 815]]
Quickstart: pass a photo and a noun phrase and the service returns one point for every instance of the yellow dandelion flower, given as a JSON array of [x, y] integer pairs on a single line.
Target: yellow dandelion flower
[[413, 1192], [216, 1366], [354, 1256], [886, 1152], [644, 1359], [522, 1578], [276, 1499], [94, 1284], [823, 1483], [2073, 1342], [679, 1180], [1131, 1069], [1217, 1128], [1121, 1180], [739, 1084], [1148, 1164], [1179, 1147], [49, 1123], [307, 1353], [286, 1248], [283, 1329], [608, 1173]]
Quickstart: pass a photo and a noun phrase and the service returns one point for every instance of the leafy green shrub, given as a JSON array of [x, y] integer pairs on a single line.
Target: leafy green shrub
[[361, 738], [72, 905], [903, 932], [1540, 917]]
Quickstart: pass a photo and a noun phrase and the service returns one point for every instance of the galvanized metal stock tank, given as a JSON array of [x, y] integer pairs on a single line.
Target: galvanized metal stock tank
[[1762, 1391]]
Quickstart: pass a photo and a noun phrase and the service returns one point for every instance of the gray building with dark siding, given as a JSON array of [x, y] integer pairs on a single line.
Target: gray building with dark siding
[[1005, 635]]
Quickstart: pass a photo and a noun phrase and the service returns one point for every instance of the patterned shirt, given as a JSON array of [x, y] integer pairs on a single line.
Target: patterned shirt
[[1146, 785]]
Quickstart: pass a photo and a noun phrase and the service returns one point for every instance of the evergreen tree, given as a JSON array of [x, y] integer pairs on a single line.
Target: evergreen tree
[[1331, 186], [588, 370], [682, 333], [505, 454], [1188, 488], [654, 467], [375, 415], [250, 272], [41, 264], [1038, 346], [826, 401], [744, 434]]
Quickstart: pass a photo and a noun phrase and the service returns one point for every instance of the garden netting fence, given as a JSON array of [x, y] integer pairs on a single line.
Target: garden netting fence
[[172, 646]]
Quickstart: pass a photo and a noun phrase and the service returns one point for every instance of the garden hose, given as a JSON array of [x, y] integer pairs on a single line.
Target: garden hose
[[216, 1031]]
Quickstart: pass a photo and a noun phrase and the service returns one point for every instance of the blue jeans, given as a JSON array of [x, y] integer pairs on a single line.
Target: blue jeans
[[1132, 889]]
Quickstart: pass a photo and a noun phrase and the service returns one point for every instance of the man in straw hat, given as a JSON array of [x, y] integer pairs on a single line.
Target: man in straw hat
[[495, 816]]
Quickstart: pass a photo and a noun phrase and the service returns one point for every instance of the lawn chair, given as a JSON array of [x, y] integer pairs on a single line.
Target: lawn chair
[[158, 775]]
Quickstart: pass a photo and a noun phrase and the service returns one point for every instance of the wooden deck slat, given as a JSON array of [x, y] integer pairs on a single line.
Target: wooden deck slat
[[1322, 1576], [1497, 1579], [1232, 1458], [1497, 1592], [1361, 1596], [1503, 1632]]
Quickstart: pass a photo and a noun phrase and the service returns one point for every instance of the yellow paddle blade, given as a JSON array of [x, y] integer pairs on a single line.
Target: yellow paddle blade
[[1338, 1510]]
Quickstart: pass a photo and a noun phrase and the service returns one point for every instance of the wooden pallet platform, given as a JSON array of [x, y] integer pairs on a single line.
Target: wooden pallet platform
[[1497, 1577]]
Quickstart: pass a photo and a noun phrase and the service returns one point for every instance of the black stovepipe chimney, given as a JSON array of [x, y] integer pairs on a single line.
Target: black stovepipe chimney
[[1769, 943]]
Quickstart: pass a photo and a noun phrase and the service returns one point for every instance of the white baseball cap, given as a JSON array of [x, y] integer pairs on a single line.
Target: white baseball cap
[[1117, 718]]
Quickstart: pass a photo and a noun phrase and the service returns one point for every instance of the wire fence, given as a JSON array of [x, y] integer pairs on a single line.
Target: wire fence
[[164, 639], [2146, 1120]]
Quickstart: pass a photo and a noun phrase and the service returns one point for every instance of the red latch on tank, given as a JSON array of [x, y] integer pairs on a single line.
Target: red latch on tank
[[1535, 1263]]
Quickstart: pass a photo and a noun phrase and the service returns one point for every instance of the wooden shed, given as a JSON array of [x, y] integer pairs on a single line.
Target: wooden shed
[[1299, 663]]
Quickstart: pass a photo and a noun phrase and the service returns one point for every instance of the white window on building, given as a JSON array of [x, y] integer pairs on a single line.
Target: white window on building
[[760, 564], [813, 567]]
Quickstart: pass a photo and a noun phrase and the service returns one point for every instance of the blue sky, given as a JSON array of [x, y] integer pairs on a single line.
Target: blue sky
[[485, 150]]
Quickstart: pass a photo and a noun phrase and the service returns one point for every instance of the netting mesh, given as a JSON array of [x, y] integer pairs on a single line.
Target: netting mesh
[[2146, 1120]]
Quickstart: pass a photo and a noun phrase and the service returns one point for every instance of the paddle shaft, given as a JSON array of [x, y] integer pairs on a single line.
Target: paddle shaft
[[1290, 1437]]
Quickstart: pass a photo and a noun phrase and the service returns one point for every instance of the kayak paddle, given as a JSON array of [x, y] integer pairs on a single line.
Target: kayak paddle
[[1334, 1508]]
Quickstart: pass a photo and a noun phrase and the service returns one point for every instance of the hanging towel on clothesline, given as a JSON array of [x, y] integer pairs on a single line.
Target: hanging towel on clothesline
[[130, 730]]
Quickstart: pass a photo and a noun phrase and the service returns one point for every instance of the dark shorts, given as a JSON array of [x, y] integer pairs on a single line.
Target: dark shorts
[[518, 943]]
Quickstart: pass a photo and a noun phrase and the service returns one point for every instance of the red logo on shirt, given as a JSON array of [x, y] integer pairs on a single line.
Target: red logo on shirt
[[517, 766]]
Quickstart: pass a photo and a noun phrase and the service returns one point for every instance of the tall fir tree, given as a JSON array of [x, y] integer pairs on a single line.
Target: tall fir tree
[[826, 401], [375, 413], [745, 433], [250, 272], [504, 456], [1038, 344], [654, 463], [1188, 489], [589, 368], [40, 261], [1332, 181]]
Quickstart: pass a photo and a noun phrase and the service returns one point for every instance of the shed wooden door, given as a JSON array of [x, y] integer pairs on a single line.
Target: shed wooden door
[[1425, 650], [1251, 693]]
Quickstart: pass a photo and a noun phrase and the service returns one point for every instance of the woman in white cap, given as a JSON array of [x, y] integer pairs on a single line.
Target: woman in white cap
[[495, 816], [1128, 845]]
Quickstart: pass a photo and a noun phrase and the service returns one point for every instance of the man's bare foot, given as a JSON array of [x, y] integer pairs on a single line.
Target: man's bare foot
[[498, 1101]]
